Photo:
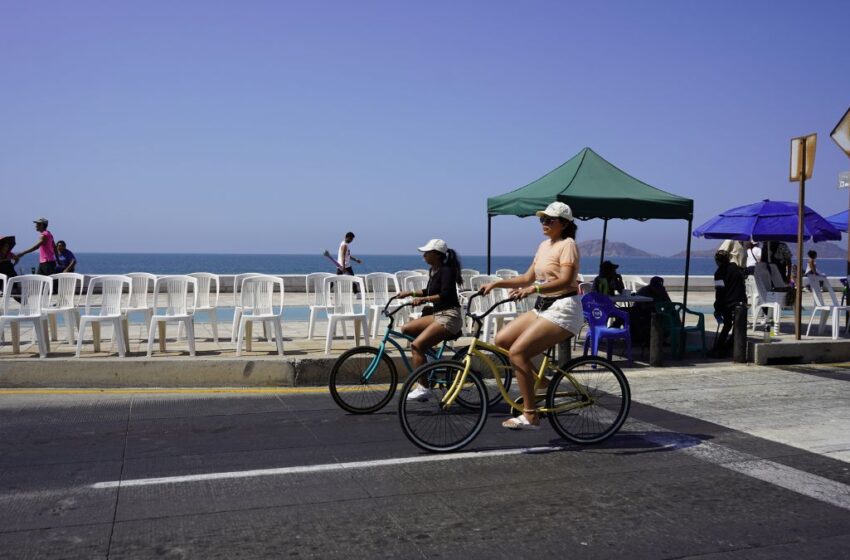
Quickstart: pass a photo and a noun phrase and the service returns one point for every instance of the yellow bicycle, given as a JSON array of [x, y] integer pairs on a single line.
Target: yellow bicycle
[[587, 400]]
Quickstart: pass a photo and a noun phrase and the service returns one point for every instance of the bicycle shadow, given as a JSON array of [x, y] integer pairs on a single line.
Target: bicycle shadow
[[639, 442], [622, 443]]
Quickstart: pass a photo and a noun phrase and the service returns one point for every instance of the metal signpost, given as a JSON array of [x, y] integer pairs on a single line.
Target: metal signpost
[[802, 165], [844, 183]]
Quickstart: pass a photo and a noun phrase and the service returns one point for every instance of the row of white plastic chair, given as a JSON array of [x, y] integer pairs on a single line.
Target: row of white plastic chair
[[182, 293], [205, 292], [766, 276]]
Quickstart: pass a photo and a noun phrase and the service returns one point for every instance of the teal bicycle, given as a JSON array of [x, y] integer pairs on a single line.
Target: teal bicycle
[[364, 379]]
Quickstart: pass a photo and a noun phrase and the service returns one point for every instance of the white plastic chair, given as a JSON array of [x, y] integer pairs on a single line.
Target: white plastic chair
[[110, 309], [344, 306], [403, 275], [417, 283], [258, 302], [35, 291], [420, 271], [316, 298], [3, 279], [497, 318], [764, 299], [830, 309], [209, 290], [776, 279], [466, 274], [68, 286], [507, 273], [143, 284], [237, 300], [378, 286], [179, 307], [633, 283]]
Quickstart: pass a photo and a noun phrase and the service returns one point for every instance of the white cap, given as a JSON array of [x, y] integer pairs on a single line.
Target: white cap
[[557, 210], [435, 245]]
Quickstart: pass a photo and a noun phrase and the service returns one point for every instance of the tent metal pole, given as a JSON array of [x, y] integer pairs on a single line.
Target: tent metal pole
[[489, 239], [604, 235], [683, 339]]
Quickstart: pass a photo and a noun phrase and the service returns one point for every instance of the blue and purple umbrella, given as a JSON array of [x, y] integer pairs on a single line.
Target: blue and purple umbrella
[[838, 221], [768, 220]]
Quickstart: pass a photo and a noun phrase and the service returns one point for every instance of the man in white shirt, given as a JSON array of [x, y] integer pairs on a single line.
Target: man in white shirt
[[344, 258], [753, 256]]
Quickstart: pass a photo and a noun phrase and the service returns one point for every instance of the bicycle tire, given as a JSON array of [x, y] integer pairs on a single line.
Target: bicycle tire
[[348, 389], [606, 386], [427, 424], [494, 396]]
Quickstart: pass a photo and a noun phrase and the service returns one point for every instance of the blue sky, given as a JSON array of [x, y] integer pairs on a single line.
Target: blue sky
[[255, 127]]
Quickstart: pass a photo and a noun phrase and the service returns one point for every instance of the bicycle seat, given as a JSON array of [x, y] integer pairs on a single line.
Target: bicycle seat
[[453, 337]]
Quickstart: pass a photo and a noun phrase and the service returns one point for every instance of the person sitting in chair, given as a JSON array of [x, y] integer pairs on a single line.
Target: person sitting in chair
[[608, 282], [640, 315]]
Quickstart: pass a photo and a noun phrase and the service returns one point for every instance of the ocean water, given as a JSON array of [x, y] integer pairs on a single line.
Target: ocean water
[[184, 263]]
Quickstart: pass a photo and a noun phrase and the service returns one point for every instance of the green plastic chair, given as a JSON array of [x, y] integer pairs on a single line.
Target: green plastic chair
[[671, 313]]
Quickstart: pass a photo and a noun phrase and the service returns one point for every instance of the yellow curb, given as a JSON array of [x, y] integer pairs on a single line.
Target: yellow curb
[[223, 390]]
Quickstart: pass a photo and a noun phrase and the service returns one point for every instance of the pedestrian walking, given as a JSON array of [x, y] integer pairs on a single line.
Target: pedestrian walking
[[46, 248], [344, 258]]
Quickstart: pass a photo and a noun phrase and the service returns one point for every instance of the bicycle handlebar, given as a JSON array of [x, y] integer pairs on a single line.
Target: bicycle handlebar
[[396, 310], [478, 318]]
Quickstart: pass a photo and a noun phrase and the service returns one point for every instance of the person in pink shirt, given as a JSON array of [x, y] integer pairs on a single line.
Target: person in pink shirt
[[46, 249]]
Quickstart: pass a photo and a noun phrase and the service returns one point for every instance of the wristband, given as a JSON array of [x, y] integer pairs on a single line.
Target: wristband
[[537, 288]]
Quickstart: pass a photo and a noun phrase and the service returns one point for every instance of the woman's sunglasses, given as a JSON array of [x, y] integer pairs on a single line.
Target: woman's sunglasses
[[546, 220]]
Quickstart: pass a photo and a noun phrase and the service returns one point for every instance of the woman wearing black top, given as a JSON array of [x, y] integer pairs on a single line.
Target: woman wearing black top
[[446, 321]]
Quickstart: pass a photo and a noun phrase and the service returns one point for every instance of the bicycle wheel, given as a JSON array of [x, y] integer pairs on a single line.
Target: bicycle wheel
[[355, 393], [588, 400], [427, 423], [480, 369]]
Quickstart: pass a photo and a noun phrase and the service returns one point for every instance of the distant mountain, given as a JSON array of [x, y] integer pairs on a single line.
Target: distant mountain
[[699, 253], [593, 248], [826, 250]]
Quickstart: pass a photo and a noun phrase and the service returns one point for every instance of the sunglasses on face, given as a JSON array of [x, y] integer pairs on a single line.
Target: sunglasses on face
[[546, 220]]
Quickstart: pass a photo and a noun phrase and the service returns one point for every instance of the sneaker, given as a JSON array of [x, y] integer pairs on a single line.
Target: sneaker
[[420, 393]]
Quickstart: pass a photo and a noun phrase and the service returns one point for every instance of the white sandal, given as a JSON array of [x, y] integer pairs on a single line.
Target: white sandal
[[520, 423]]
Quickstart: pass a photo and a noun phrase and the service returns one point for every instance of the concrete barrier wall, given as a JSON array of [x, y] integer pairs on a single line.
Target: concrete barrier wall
[[167, 372]]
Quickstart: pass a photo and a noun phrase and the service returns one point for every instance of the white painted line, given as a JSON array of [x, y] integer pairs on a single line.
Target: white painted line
[[789, 478], [329, 467], [783, 476]]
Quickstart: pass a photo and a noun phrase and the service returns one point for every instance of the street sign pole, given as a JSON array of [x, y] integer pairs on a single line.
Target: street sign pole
[[798, 288], [844, 183]]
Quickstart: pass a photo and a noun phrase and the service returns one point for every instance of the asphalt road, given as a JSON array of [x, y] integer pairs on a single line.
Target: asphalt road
[[75, 474]]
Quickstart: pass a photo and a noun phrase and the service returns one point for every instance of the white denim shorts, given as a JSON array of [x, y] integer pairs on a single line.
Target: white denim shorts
[[566, 313]]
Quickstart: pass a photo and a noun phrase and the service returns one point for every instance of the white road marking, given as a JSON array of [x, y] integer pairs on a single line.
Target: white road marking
[[789, 478], [329, 467]]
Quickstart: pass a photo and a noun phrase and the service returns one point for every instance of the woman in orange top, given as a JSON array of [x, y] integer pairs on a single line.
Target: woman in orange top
[[557, 315]]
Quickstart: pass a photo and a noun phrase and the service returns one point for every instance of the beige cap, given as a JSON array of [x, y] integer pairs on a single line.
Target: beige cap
[[435, 245], [557, 210]]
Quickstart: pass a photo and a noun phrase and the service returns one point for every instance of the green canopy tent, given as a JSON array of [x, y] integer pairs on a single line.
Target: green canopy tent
[[594, 188]]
